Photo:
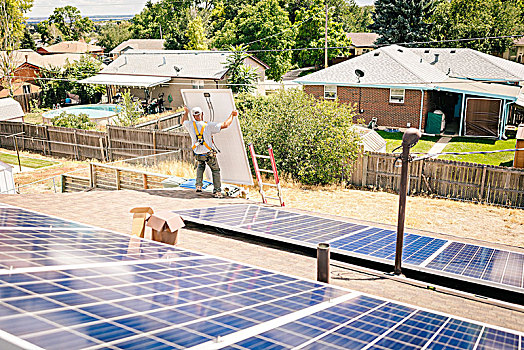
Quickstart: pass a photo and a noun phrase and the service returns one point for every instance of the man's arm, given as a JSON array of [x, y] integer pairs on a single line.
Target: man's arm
[[184, 117], [229, 120]]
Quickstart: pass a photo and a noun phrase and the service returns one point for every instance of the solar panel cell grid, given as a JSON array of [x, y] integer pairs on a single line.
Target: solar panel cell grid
[[16, 217], [464, 261]]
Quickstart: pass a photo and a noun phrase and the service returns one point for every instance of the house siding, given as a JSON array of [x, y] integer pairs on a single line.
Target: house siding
[[375, 103]]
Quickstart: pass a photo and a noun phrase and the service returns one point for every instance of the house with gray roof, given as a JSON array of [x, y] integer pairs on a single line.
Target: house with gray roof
[[151, 73], [476, 93], [361, 42], [138, 44]]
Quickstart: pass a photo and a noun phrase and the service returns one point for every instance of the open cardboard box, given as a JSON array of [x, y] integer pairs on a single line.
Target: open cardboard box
[[165, 225]]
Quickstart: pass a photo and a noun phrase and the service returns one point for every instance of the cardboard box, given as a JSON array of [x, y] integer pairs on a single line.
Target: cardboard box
[[140, 215], [165, 226]]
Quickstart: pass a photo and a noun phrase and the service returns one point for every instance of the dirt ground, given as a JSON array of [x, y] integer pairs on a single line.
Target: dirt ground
[[462, 219]]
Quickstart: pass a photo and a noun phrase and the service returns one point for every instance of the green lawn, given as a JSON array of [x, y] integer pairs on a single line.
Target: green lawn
[[466, 144], [394, 139], [27, 162]]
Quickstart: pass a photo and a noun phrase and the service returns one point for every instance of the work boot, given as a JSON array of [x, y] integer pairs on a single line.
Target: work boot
[[198, 188], [218, 195]]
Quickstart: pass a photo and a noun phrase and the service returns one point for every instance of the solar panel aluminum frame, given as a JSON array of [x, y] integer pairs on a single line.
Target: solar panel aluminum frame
[[296, 243]]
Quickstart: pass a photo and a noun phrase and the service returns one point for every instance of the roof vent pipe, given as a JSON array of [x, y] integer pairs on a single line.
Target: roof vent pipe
[[436, 59]]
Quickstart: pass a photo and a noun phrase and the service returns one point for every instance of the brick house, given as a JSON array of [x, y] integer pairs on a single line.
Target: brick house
[[400, 86]]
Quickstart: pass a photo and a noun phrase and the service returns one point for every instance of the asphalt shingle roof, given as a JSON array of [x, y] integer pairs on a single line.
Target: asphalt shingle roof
[[170, 63], [362, 39], [472, 64], [385, 66], [140, 44]]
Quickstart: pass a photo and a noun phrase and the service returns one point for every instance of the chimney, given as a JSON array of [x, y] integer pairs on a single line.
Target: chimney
[[26, 57]]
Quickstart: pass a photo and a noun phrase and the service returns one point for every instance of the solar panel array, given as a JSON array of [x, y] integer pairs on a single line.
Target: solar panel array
[[494, 267], [129, 293]]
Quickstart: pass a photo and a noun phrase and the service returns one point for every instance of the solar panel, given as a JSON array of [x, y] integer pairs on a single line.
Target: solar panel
[[494, 267], [55, 247], [178, 299], [27, 219]]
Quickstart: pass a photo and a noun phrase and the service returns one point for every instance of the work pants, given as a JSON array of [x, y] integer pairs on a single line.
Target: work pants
[[211, 160]]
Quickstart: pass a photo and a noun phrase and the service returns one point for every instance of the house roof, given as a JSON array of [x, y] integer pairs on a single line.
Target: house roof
[[519, 41], [34, 58], [72, 47], [171, 63], [471, 64], [10, 109], [388, 65], [139, 44], [362, 39]]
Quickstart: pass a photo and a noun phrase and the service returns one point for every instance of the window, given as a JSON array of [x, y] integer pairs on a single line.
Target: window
[[197, 84], [330, 92], [396, 95], [26, 89]]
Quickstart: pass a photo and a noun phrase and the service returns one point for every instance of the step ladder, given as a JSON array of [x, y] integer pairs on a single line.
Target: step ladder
[[274, 171]]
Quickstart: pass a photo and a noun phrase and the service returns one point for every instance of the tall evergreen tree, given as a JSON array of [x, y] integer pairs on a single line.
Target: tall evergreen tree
[[402, 21]]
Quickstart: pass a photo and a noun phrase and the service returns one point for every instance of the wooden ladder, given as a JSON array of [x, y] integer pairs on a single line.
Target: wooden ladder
[[274, 171]]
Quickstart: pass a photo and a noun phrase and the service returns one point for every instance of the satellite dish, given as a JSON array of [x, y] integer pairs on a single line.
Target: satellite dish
[[359, 73]]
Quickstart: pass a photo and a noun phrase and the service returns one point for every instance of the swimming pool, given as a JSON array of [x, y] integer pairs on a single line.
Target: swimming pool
[[94, 112]]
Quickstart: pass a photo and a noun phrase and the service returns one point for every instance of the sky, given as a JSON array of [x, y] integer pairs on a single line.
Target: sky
[[43, 8]]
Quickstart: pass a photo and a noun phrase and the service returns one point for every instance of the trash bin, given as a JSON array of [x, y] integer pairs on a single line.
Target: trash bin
[[433, 123]]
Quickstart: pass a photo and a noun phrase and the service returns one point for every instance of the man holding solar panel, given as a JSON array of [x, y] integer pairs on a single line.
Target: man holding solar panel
[[205, 150]]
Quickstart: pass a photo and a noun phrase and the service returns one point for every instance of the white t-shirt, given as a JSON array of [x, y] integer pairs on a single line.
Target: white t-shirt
[[210, 129]]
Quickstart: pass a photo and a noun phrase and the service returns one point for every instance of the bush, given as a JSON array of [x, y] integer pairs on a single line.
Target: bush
[[129, 111], [313, 140], [80, 121]]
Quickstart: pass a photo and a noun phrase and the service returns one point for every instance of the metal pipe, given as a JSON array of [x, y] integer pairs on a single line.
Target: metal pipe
[[410, 138], [326, 39], [323, 266]]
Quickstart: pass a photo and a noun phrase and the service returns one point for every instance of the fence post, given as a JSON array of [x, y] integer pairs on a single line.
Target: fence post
[[154, 141], [145, 181], [364, 170], [63, 183], [102, 155], [75, 147], [47, 140], [482, 183], [109, 147], [117, 179]]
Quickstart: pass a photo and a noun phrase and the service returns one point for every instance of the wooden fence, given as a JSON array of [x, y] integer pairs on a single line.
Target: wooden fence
[[25, 100], [108, 177], [167, 122], [116, 143], [444, 178]]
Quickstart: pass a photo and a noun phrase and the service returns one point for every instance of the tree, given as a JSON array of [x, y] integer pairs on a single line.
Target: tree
[[12, 22], [166, 19], [311, 34], [27, 41], [56, 82], [113, 34], [70, 23], [402, 21], [48, 32], [463, 19], [262, 26], [128, 110], [196, 35], [240, 76]]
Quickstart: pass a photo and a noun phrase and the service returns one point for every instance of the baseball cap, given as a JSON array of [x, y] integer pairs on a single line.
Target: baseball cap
[[196, 111]]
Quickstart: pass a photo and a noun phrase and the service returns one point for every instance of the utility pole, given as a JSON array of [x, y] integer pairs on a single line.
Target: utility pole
[[325, 39], [410, 138]]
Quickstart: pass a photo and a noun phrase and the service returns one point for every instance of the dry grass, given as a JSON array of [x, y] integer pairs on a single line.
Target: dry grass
[[469, 220]]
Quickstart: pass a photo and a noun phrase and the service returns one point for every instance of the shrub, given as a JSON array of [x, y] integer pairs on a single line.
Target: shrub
[[67, 120], [313, 140], [129, 110]]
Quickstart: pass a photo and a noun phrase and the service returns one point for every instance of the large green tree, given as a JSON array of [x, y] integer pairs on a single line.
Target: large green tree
[[311, 34], [166, 19], [402, 21], [196, 35], [263, 26], [466, 19], [71, 23], [113, 34]]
